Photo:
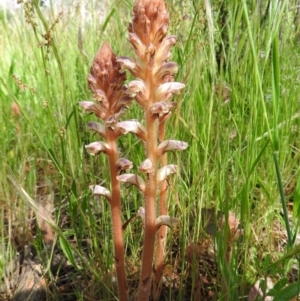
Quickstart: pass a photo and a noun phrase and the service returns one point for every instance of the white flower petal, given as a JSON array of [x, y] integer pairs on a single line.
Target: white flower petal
[[166, 68], [100, 95], [133, 179], [164, 89], [135, 87], [100, 190], [165, 171], [132, 126], [141, 213], [97, 127], [92, 107], [146, 167], [163, 52], [166, 220], [97, 147], [131, 65], [137, 44], [123, 164], [171, 145], [162, 108], [126, 62]]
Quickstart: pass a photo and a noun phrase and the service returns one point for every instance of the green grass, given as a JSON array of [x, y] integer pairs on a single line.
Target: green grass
[[233, 149]]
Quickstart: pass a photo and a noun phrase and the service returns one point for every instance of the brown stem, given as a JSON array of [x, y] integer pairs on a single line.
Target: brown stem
[[115, 205], [150, 201], [162, 232]]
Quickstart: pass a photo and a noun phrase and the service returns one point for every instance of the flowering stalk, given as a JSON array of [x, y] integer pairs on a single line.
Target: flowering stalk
[[153, 90], [106, 81], [162, 232]]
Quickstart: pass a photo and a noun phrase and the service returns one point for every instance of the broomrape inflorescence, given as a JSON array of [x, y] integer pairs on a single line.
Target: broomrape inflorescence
[[153, 90]]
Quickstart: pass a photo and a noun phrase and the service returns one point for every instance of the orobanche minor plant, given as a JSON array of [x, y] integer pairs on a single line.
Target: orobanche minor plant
[[152, 89]]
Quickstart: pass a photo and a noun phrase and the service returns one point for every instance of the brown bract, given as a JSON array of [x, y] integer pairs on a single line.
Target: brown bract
[[150, 21], [106, 80]]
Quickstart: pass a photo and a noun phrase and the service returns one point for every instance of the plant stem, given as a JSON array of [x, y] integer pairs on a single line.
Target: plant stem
[[150, 203], [283, 202], [162, 232], [115, 205]]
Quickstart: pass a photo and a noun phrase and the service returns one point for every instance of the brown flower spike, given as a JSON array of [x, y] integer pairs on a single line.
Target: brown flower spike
[[106, 82], [153, 90]]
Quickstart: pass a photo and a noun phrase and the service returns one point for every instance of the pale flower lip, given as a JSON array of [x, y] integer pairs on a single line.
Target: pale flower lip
[[170, 145], [135, 87], [92, 80], [163, 52], [161, 108], [141, 213], [123, 101], [100, 190], [132, 126], [132, 65], [95, 148], [121, 112], [137, 44], [164, 89], [97, 127], [146, 167], [166, 68], [166, 220], [123, 164], [127, 62], [92, 107], [99, 95], [133, 179], [165, 171]]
